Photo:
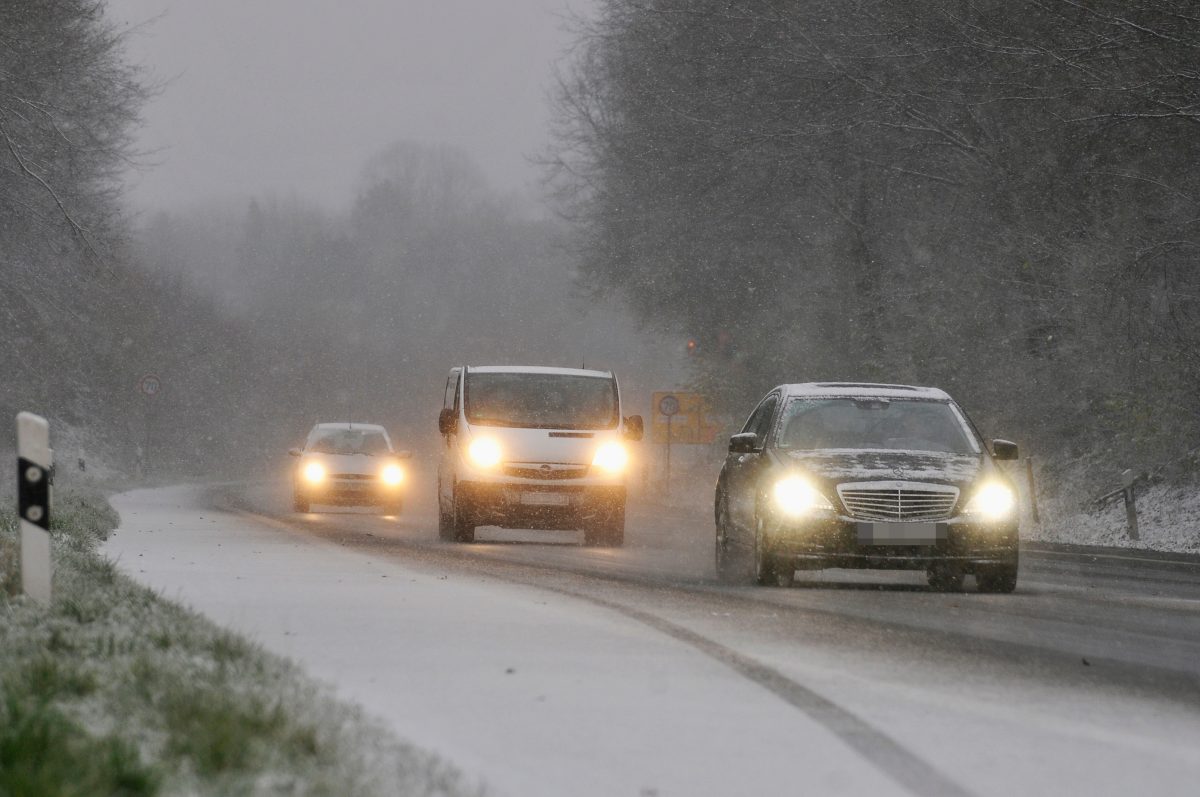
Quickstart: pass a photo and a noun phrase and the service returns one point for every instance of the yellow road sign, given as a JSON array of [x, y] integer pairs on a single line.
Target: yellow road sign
[[688, 414]]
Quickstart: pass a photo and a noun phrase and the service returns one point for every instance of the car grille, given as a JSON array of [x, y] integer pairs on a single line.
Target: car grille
[[897, 502], [548, 472], [363, 476]]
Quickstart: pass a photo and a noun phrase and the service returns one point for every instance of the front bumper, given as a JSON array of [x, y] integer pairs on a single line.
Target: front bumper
[[357, 492], [837, 542], [537, 504]]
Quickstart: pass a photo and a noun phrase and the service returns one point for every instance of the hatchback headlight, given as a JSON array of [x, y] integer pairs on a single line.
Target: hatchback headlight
[[795, 496], [314, 473], [611, 457], [392, 475], [993, 501], [484, 452]]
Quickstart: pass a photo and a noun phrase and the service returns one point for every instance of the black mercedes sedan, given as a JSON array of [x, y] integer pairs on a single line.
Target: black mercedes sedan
[[855, 475]]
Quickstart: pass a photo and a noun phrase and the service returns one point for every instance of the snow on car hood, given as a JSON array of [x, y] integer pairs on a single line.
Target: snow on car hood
[[858, 465]]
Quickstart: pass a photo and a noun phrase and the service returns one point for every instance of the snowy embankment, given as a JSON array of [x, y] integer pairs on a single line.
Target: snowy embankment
[[1168, 520], [112, 689]]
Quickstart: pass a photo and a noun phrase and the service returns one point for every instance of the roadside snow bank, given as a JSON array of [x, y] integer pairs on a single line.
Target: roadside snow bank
[[1168, 520], [113, 689]]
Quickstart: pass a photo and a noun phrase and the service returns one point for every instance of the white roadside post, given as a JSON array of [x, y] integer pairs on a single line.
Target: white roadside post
[[33, 504]]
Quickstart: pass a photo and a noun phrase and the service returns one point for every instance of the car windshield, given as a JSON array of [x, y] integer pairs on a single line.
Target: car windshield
[[348, 441], [541, 401], [810, 424]]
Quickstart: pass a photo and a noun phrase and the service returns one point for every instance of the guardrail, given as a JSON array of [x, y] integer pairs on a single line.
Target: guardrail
[[1126, 492]]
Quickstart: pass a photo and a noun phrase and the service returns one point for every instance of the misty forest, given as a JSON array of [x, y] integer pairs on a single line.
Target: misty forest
[[997, 198]]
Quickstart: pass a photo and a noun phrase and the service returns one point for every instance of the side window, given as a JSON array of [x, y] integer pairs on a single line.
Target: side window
[[764, 416], [451, 399], [759, 421]]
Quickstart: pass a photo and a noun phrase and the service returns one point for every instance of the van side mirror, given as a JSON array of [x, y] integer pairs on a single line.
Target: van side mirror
[[635, 428], [1004, 450], [403, 455], [447, 421], [744, 443], [294, 452]]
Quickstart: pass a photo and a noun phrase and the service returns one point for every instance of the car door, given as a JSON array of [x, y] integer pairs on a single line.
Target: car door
[[744, 471]]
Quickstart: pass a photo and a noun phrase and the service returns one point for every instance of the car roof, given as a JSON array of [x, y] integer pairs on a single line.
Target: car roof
[[536, 369], [372, 427], [865, 390]]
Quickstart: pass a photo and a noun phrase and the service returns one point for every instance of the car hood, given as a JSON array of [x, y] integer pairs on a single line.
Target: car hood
[[544, 445], [838, 466], [360, 464]]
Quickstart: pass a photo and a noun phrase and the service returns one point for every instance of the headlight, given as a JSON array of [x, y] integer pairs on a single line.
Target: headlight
[[794, 495], [484, 452], [611, 457], [993, 501], [392, 475], [314, 472]]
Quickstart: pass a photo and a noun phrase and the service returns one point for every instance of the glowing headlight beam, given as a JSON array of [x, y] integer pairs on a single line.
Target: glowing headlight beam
[[993, 501], [484, 452], [611, 457], [392, 475], [314, 472], [794, 495]]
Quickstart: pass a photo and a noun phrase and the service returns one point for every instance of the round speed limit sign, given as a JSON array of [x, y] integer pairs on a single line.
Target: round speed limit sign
[[150, 385], [668, 405]]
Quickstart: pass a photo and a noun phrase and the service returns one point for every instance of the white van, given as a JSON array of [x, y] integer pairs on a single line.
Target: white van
[[534, 448]]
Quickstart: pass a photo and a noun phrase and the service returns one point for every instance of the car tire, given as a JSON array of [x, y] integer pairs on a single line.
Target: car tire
[[1001, 579], [607, 530], [464, 523], [300, 503], [767, 572], [945, 578], [732, 564]]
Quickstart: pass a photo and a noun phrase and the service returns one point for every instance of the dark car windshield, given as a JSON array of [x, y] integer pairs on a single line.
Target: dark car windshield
[[347, 441], [810, 424], [541, 401]]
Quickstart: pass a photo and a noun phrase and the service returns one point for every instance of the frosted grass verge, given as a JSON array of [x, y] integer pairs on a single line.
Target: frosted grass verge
[[113, 689]]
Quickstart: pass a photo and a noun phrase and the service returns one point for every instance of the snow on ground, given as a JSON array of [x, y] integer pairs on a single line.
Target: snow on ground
[[533, 692], [1168, 520]]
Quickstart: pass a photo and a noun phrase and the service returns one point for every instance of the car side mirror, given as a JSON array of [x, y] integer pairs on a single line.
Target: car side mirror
[[635, 428], [294, 452], [744, 443], [403, 455], [447, 421], [1004, 450]]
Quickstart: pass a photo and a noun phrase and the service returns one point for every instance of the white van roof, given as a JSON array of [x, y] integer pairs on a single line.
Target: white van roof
[[537, 369]]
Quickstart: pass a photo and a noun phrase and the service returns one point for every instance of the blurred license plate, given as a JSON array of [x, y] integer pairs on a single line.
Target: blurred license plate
[[545, 499], [900, 533]]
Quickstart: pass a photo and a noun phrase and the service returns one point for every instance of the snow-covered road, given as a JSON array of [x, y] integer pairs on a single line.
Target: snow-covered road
[[551, 669]]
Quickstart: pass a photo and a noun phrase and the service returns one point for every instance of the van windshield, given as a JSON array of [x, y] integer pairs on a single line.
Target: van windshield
[[541, 401]]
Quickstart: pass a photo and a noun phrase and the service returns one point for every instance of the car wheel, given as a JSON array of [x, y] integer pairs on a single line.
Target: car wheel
[[945, 577], [766, 570], [607, 530], [730, 561], [299, 502], [464, 525], [997, 579]]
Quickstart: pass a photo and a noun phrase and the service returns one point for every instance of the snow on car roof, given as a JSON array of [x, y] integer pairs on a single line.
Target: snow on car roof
[[866, 390], [374, 427], [536, 369]]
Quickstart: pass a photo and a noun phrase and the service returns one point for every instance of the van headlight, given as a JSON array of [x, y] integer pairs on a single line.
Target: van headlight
[[314, 473], [484, 452], [993, 501], [796, 496], [392, 475], [611, 458]]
